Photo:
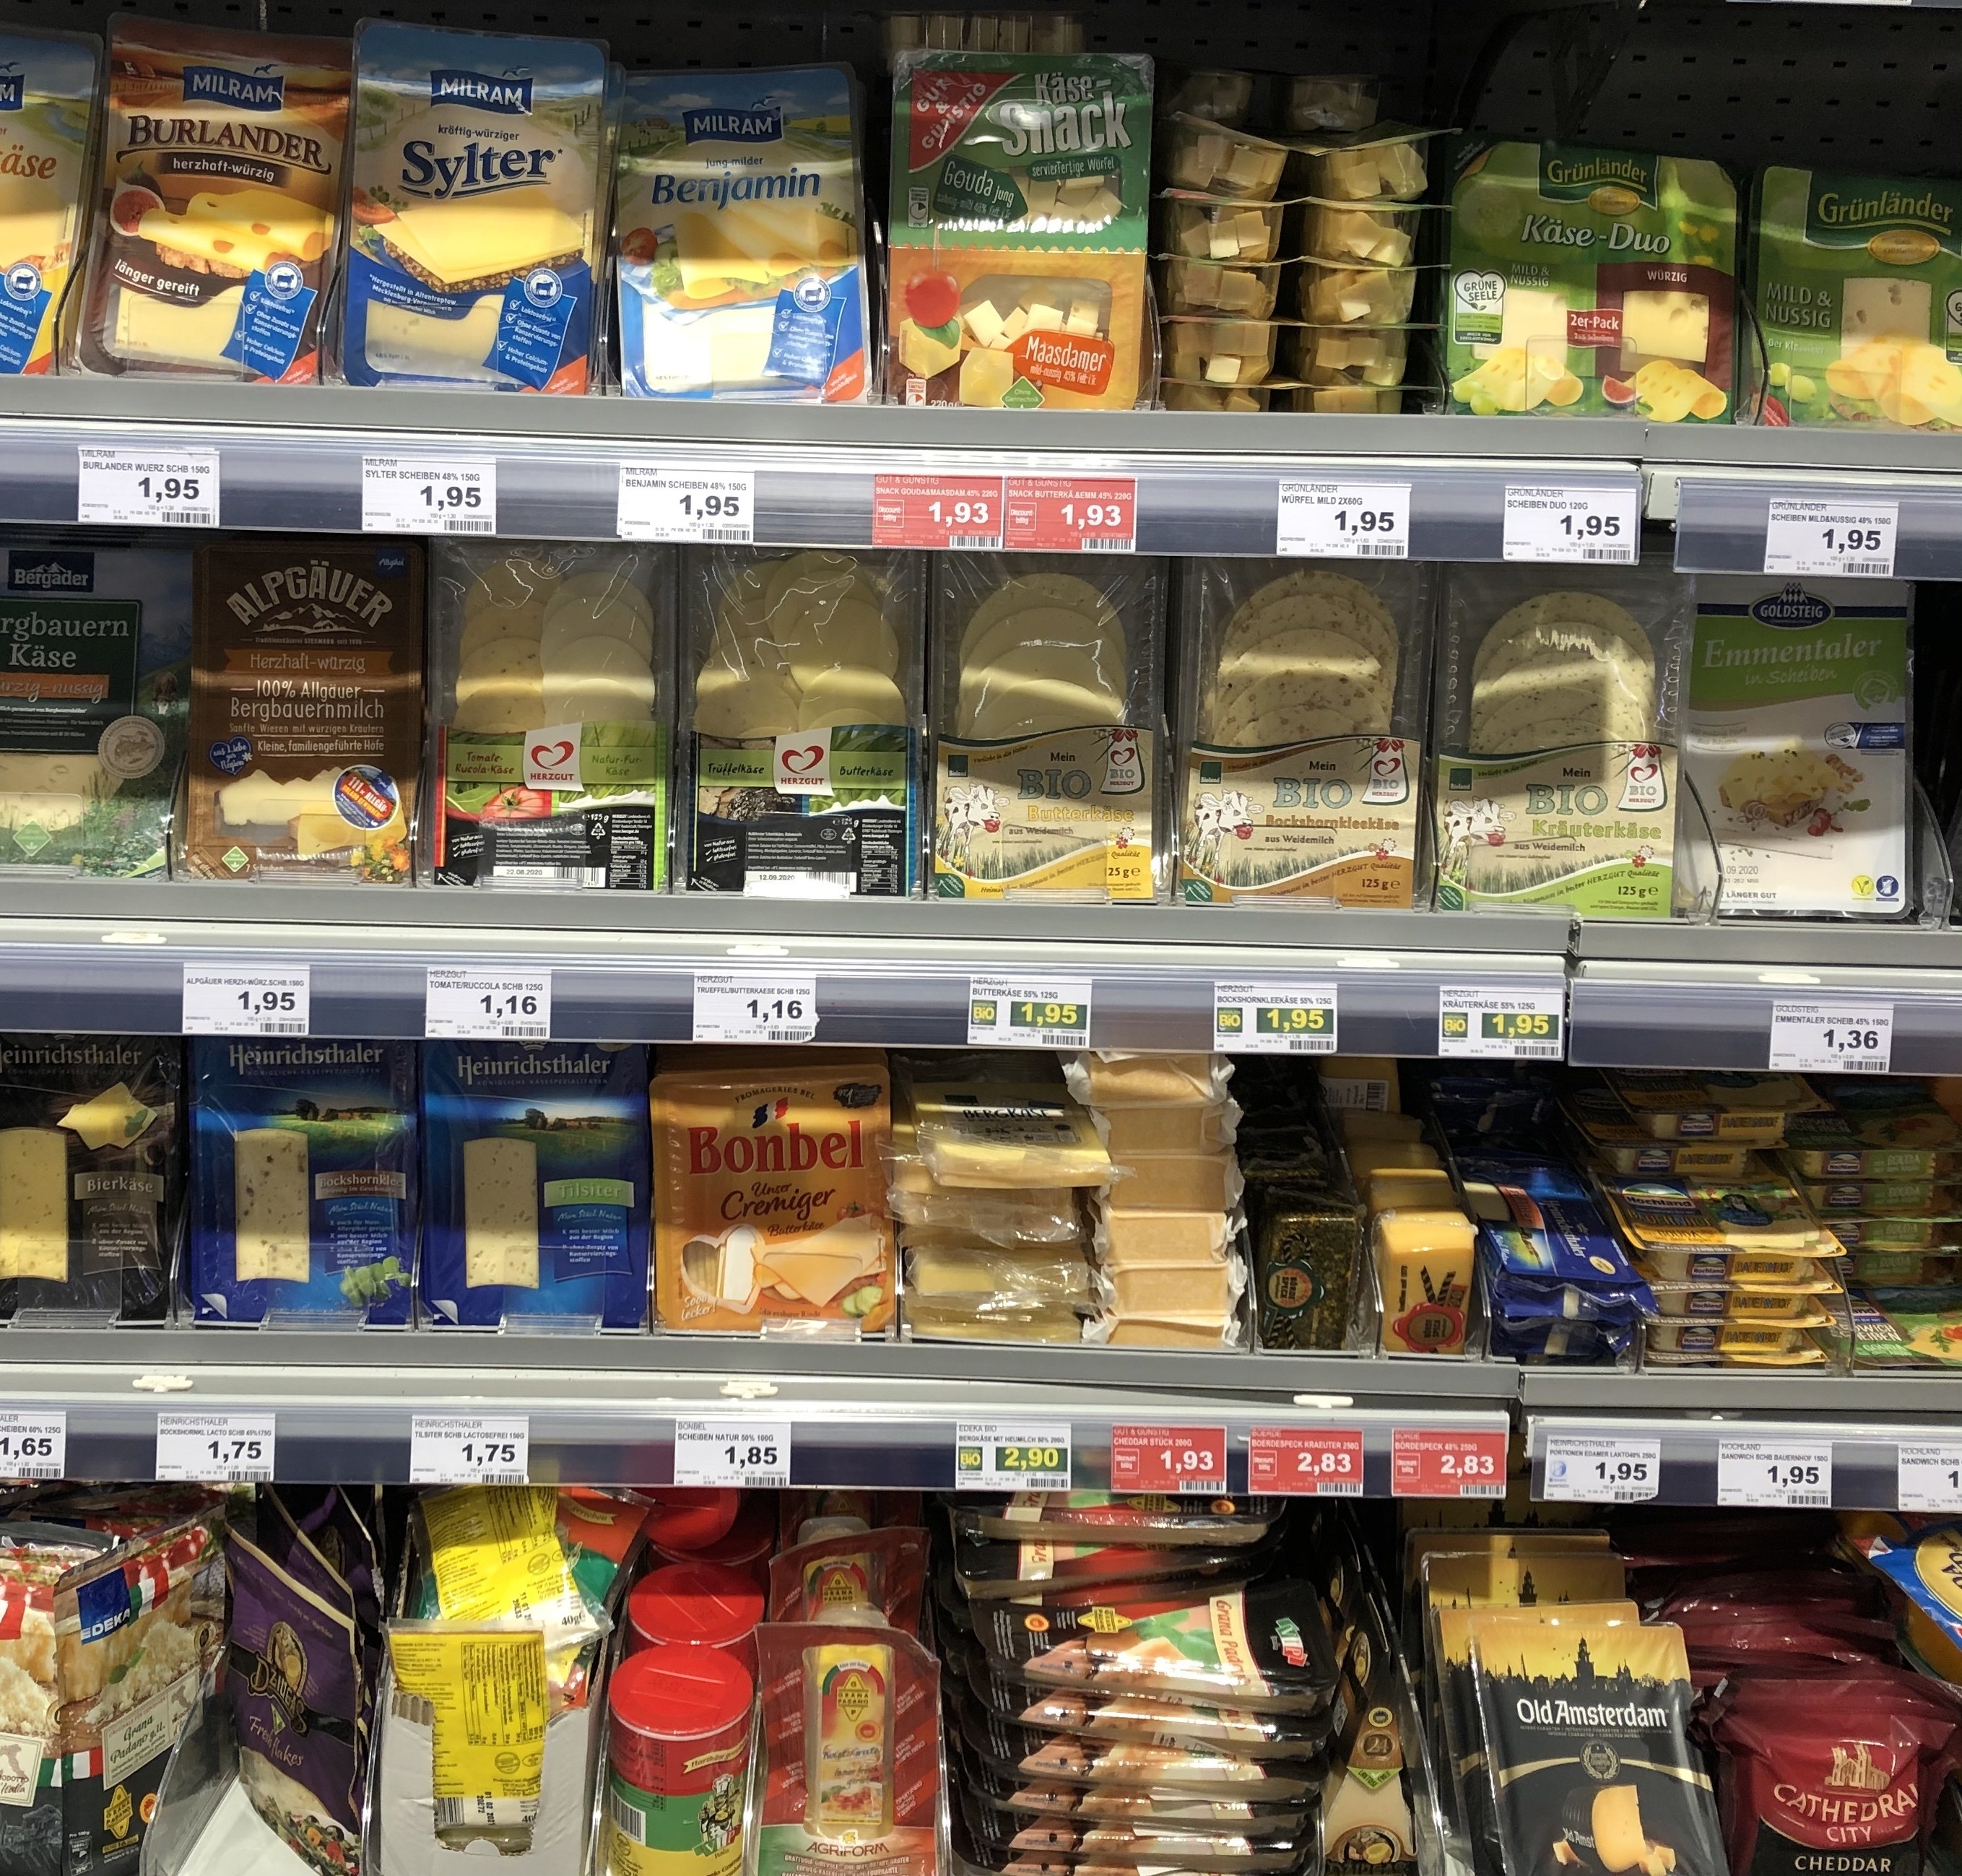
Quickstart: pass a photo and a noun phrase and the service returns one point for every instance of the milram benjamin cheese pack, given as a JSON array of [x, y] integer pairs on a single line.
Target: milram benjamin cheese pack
[[1018, 230], [306, 711], [94, 666], [1556, 724], [304, 1171], [802, 681], [1588, 282], [1795, 732], [740, 240], [534, 1184], [91, 1175], [1048, 708], [477, 221], [221, 181], [1302, 728], [48, 87], [552, 693]]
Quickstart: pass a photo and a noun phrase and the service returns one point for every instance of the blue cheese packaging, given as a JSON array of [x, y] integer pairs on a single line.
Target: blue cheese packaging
[[537, 1166], [304, 1180]]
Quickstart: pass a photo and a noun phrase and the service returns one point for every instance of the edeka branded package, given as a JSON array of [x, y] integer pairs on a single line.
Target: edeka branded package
[[740, 236], [770, 1181], [801, 709], [1855, 280], [1795, 732], [94, 666], [305, 1167], [49, 85], [1048, 710], [1301, 727], [1018, 230], [221, 187], [1586, 282], [91, 1175], [535, 1184], [1556, 728], [477, 217], [306, 711], [551, 694]]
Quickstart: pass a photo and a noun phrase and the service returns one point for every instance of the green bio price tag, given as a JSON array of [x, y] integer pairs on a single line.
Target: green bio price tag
[[1524, 1025], [1028, 1013], [1281, 1017], [1011, 1455]]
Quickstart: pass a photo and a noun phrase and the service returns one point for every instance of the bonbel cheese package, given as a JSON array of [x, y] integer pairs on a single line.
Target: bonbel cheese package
[[535, 1169], [740, 236], [219, 214], [477, 222], [50, 83], [303, 1188]]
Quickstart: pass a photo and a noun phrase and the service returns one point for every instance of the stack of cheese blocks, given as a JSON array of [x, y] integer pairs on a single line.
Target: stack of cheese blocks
[[1170, 1265]]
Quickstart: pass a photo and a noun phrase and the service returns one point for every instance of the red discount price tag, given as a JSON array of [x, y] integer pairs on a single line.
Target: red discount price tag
[[1168, 1459], [937, 511], [1071, 514], [1312, 1461], [1425, 1463]]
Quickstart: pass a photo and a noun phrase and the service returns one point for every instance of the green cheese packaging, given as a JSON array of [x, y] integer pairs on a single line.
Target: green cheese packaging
[[1591, 283]]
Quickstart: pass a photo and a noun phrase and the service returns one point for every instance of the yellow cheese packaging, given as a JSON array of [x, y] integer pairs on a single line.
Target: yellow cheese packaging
[[49, 83], [770, 1189], [219, 217], [1424, 1263]]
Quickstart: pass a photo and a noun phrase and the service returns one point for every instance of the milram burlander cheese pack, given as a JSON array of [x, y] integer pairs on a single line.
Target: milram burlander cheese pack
[[477, 222], [1018, 229], [48, 84], [1591, 281]]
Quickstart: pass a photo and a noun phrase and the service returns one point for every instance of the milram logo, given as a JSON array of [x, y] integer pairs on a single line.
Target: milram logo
[[50, 570], [761, 123], [13, 87], [263, 88], [1793, 609], [511, 95]]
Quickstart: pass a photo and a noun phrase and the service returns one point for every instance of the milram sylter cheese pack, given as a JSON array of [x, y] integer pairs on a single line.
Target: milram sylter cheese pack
[[534, 1184], [1556, 726], [304, 1173], [1795, 732], [305, 713], [1016, 230], [1589, 281], [1302, 726], [221, 189], [477, 223], [94, 666], [739, 236], [49, 83], [1857, 281]]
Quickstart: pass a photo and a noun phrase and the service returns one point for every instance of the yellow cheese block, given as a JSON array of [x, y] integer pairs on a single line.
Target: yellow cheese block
[[1422, 1187], [1130, 1130], [112, 1118], [1361, 1081], [819, 1268], [1375, 1156], [1180, 1182], [1167, 1331], [33, 1203], [474, 237], [752, 246], [1359, 1124], [986, 378], [1181, 1289], [922, 354], [1139, 1238], [1424, 1266]]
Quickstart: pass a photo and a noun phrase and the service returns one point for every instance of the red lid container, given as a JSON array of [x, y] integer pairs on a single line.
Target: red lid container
[[696, 1603], [747, 1546], [680, 1715], [686, 1517]]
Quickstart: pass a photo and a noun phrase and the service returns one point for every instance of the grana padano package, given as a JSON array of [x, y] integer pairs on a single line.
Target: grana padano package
[[49, 87]]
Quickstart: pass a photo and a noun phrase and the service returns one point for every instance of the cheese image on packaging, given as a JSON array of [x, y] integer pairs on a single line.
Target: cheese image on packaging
[[501, 1232], [113, 1118], [273, 1234], [44, 160], [33, 1203]]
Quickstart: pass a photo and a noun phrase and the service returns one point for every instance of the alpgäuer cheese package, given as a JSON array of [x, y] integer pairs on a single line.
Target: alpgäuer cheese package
[[48, 102]]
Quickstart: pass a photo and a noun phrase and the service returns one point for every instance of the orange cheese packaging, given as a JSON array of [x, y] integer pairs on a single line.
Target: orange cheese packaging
[[769, 1188]]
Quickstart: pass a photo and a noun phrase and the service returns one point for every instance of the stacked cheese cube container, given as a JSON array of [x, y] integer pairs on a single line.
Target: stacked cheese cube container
[[1171, 1268]]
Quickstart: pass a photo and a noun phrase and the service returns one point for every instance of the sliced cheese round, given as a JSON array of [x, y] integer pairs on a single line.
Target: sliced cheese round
[[598, 680], [1037, 706], [1029, 590], [1308, 666], [497, 626], [1313, 598], [1047, 625], [600, 592], [518, 587], [1302, 723], [815, 581], [738, 703], [1070, 665], [855, 635], [1573, 699], [501, 689], [582, 618], [850, 694], [1553, 625]]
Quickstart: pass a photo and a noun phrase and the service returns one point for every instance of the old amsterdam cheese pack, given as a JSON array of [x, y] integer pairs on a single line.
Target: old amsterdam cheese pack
[[770, 1189], [220, 178], [1018, 230], [1591, 281], [741, 237], [476, 226], [48, 89]]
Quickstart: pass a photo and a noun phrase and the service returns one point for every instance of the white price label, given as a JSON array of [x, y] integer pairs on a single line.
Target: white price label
[[1614, 1470], [470, 1448], [750, 1006], [742, 1452], [506, 1006], [1852, 538], [1359, 520], [1833, 1038], [1028, 1012], [1582, 526], [1277, 1018], [428, 495], [1928, 1475], [215, 1449], [1502, 1025], [33, 1444], [1792, 1472], [661, 502], [1011, 1455], [247, 1002], [167, 488]]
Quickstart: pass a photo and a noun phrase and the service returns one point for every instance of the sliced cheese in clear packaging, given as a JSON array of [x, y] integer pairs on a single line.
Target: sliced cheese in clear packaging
[[1007, 1136], [54, 81]]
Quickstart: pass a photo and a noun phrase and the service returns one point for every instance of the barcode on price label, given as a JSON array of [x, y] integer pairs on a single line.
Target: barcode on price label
[[120, 488], [668, 502], [1483, 1020], [754, 1454], [1070, 514], [1283, 1017], [748, 1006], [470, 1448], [247, 1002], [1311, 1462], [1428, 1463], [1618, 1469], [1855, 539], [33, 1444], [1928, 1475], [1011, 1455], [1168, 1459], [942, 511], [216, 1448], [508, 1006], [1833, 1038], [1551, 523], [1361, 520], [1028, 1012], [1776, 1471], [423, 495]]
